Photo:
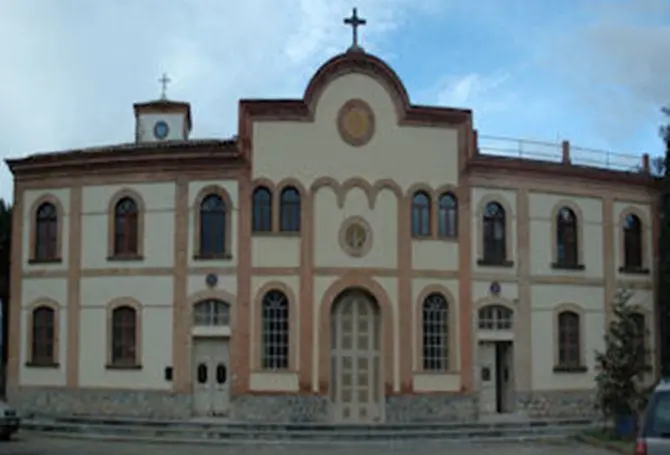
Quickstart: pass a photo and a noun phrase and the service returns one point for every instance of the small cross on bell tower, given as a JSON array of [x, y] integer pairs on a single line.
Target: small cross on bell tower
[[164, 80], [354, 21], [162, 119]]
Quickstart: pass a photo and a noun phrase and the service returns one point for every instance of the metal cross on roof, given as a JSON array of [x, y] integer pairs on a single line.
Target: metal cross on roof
[[354, 21], [164, 80]]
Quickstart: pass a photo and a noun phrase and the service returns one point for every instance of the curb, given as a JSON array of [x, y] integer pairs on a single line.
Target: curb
[[602, 444], [259, 442]]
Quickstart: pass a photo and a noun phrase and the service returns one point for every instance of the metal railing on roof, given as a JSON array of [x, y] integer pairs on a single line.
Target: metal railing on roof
[[560, 152]]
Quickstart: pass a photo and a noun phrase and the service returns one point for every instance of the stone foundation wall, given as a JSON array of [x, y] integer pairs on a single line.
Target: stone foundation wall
[[288, 408], [431, 408], [557, 403], [149, 404], [280, 408], [409, 408]]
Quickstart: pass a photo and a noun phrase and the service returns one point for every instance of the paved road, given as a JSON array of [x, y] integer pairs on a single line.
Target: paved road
[[33, 445]]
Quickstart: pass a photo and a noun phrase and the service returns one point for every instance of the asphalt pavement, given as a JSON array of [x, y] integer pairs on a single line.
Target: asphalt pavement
[[35, 444]]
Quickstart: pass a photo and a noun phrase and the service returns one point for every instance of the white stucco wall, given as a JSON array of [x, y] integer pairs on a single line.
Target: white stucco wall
[[391, 154], [275, 251], [155, 295], [543, 234], [319, 150], [175, 122], [545, 299], [159, 218], [196, 283], [383, 225]]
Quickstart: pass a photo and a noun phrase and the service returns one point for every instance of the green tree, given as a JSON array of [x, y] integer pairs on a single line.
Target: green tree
[[663, 269], [619, 379]]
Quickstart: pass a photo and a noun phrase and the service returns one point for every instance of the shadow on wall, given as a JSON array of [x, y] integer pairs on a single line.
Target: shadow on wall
[[5, 244]]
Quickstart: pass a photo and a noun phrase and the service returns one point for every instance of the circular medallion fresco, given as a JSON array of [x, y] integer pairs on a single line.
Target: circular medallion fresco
[[356, 122], [355, 236]]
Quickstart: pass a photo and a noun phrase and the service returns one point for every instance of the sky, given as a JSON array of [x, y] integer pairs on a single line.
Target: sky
[[594, 72]]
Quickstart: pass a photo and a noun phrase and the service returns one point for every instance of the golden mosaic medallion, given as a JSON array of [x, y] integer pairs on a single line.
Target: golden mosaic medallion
[[355, 236], [356, 122]]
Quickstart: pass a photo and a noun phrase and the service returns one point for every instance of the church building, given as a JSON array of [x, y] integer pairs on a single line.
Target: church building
[[347, 256]]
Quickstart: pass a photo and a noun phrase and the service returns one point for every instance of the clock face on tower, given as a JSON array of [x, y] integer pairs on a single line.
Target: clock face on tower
[[161, 130]]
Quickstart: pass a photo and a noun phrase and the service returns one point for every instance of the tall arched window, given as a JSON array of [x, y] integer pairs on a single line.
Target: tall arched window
[[213, 214], [447, 216], [495, 234], [632, 241], [421, 214], [46, 232], [125, 227], [567, 249], [435, 333], [43, 336], [124, 336], [275, 331], [289, 210], [569, 342], [262, 210]]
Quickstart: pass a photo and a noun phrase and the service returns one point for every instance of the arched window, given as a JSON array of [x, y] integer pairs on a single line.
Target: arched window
[[125, 227], [632, 241], [421, 214], [124, 336], [640, 339], [495, 317], [211, 312], [495, 234], [569, 342], [43, 340], [289, 210], [447, 216], [213, 213], [262, 210], [435, 333], [275, 331], [46, 232], [566, 238]]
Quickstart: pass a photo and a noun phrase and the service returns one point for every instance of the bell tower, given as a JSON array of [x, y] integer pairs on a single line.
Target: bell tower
[[162, 119]]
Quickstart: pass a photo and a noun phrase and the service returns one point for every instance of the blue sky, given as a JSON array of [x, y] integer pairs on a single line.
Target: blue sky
[[591, 71]]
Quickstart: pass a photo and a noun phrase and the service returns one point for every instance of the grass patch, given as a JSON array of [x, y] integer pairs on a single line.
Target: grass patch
[[606, 437]]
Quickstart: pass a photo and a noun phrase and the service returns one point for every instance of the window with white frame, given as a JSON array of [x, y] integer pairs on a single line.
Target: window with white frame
[[211, 312]]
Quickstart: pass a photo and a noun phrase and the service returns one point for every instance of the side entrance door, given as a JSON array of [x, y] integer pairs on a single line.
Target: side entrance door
[[487, 378], [211, 394]]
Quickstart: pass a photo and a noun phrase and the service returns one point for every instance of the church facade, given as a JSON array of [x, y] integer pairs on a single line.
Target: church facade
[[346, 257]]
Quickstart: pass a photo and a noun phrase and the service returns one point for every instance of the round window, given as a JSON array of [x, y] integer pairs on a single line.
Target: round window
[[161, 129]]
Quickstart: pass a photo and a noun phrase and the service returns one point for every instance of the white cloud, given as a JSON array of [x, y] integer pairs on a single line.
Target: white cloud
[[72, 69], [616, 64], [473, 90]]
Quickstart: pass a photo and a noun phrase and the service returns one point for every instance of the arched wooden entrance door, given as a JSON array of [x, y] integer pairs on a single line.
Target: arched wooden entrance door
[[355, 382]]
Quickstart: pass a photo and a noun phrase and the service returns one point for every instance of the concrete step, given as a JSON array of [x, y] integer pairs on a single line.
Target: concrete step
[[237, 431], [201, 422]]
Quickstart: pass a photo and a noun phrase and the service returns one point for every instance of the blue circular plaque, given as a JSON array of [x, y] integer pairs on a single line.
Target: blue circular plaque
[[495, 288], [211, 280]]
